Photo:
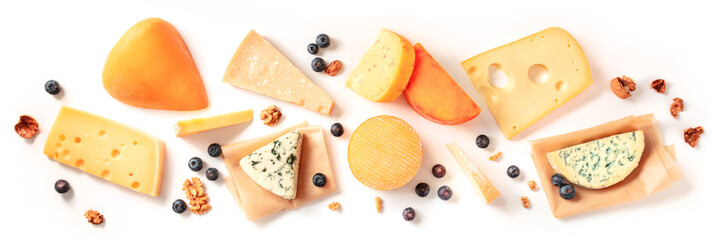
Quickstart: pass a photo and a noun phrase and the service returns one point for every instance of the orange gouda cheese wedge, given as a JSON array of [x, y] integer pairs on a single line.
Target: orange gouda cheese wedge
[[256, 201], [385, 69], [384, 152]]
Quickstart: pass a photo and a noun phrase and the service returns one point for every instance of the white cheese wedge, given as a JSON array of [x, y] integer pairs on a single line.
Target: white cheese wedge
[[275, 166], [600, 163]]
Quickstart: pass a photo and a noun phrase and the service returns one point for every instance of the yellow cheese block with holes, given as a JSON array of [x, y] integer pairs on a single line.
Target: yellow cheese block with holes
[[483, 187], [196, 125], [524, 101], [385, 70], [107, 149], [259, 67]]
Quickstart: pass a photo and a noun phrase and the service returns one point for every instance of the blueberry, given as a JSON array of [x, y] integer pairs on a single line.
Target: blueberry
[[318, 64], [319, 180], [312, 48], [482, 141], [422, 189], [52, 87], [62, 186], [212, 174], [444, 193], [214, 150], [195, 164], [513, 171], [557, 180], [567, 191], [179, 206], [337, 129], [438, 170], [408, 214], [322, 40]]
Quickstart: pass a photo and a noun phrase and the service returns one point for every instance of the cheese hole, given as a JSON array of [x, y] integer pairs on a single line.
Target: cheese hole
[[80, 164], [538, 73], [105, 174], [115, 153], [61, 137], [560, 85], [496, 77], [135, 185], [102, 133], [77, 139]]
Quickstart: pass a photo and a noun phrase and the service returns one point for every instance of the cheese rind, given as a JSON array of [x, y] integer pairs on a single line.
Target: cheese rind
[[275, 166], [523, 101], [259, 67], [482, 186], [385, 69], [107, 149], [600, 163], [196, 125]]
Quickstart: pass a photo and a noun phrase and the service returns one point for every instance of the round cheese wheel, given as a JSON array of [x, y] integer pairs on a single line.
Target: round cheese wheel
[[384, 152]]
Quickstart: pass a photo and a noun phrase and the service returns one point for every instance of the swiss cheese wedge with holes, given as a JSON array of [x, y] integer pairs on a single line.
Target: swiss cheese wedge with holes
[[259, 67], [523, 101], [385, 69], [107, 149], [384, 152]]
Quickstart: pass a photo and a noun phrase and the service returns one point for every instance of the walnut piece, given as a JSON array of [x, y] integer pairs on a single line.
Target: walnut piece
[[378, 204], [270, 115], [195, 193], [692, 135], [334, 206], [532, 185], [494, 157], [334, 68], [27, 127], [525, 202], [94, 217], [622, 86], [676, 107], [658, 85]]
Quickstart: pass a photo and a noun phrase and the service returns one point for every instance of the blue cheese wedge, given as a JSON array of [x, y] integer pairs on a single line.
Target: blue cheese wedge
[[275, 166], [600, 163]]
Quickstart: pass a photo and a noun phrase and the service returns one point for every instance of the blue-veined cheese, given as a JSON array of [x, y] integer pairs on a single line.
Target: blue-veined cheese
[[600, 163], [275, 166]]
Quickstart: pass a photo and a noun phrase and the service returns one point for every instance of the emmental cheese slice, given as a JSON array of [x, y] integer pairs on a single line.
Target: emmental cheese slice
[[385, 69], [384, 152], [600, 163], [107, 149], [527, 98], [483, 187], [196, 125], [275, 166], [259, 67]]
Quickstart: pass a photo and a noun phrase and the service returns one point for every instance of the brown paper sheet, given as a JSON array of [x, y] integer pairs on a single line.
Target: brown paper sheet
[[257, 202], [656, 171]]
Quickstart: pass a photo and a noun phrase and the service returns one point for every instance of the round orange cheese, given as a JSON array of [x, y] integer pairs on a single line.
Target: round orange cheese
[[384, 152]]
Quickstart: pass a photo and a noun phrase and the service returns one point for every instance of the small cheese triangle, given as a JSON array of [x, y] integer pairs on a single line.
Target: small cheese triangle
[[275, 166], [259, 67], [151, 67]]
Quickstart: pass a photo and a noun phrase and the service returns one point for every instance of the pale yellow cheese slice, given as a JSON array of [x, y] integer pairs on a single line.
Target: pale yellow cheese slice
[[259, 67], [107, 149], [523, 101], [385, 69], [196, 125]]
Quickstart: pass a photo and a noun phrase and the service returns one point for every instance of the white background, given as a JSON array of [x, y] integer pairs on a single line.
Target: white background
[[69, 41]]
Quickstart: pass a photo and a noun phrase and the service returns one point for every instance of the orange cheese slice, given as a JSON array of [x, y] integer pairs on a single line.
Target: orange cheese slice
[[151, 67], [483, 187], [107, 149], [526, 97], [259, 67], [384, 152], [385, 69]]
